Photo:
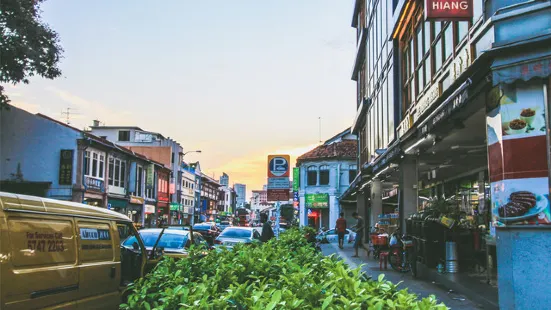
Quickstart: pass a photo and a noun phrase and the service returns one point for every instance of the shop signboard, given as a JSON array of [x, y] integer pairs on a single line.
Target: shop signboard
[[450, 107], [517, 155], [449, 10], [405, 125], [150, 176], [175, 206], [94, 184], [427, 101], [296, 179], [66, 167], [136, 200], [149, 209], [319, 201]]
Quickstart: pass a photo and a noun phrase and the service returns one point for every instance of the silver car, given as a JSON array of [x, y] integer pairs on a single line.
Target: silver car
[[234, 235]]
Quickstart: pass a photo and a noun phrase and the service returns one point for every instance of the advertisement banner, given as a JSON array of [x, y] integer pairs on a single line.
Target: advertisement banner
[[296, 179], [517, 155], [317, 201], [150, 176]]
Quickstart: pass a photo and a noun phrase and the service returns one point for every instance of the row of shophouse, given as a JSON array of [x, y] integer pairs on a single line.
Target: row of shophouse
[[455, 108], [126, 169]]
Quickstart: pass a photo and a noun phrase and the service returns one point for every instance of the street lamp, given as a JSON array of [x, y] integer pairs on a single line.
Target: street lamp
[[195, 201]]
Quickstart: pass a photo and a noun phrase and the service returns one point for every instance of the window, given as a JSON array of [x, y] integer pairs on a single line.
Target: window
[[94, 164], [172, 158], [124, 135], [139, 181], [117, 170], [324, 175], [352, 172], [312, 176], [462, 30], [448, 41]]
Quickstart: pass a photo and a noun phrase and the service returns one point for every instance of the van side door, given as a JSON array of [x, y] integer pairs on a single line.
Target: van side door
[[99, 264], [39, 261]]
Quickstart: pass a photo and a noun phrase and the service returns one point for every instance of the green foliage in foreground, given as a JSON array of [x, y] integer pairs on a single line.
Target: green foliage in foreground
[[281, 274]]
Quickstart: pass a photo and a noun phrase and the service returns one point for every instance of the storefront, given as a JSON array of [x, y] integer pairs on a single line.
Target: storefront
[[135, 210], [150, 218], [118, 205], [175, 213], [317, 206]]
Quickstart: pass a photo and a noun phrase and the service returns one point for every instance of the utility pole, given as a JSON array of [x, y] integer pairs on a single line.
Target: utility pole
[[319, 119], [67, 114]]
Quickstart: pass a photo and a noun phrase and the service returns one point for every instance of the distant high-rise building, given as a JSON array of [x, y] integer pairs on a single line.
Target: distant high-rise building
[[241, 190], [225, 179]]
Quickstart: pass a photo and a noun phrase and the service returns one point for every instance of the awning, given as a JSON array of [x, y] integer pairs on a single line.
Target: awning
[[117, 203], [525, 71]]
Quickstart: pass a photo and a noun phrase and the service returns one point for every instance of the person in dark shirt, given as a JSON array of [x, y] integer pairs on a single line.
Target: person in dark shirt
[[267, 232], [340, 228], [360, 228]]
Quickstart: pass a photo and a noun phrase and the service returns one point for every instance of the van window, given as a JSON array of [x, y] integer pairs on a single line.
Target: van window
[[41, 242], [131, 256], [96, 243]]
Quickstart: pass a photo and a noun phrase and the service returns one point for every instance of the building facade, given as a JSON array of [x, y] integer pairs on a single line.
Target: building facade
[[325, 173], [241, 194], [467, 95], [153, 145], [209, 197], [224, 179], [38, 156]]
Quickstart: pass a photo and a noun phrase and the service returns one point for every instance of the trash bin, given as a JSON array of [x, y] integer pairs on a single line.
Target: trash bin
[[452, 262]]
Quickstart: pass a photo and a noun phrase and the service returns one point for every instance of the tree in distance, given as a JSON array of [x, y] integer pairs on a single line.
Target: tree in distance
[[28, 46]]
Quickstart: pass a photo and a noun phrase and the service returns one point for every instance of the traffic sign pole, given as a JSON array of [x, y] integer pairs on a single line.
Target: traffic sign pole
[[278, 214]]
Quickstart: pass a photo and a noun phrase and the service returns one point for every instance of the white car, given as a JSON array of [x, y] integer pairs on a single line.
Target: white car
[[331, 236]]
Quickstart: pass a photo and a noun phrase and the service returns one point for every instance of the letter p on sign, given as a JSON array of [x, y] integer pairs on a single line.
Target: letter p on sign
[[278, 166]]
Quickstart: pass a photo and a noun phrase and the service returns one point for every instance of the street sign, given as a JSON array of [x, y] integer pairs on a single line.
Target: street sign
[[278, 166], [278, 194], [279, 183]]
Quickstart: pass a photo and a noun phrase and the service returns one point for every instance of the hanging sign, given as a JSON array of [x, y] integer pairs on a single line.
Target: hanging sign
[[448, 10]]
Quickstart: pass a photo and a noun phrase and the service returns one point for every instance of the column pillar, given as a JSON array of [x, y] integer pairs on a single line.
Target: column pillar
[[376, 202], [518, 146], [408, 189], [333, 211], [363, 209], [303, 213]]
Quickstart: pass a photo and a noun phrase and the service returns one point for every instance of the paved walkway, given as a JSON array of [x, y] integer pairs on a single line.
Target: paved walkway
[[453, 300]]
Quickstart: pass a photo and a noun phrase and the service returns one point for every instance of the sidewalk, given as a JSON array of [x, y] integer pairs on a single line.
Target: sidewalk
[[452, 299]]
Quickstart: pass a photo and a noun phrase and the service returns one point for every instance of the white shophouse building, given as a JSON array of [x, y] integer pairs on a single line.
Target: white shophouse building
[[325, 174]]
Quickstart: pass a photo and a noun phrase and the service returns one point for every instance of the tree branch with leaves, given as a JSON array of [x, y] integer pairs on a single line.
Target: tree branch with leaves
[[28, 46]]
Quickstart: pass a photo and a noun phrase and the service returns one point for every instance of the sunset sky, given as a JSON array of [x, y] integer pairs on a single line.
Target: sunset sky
[[236, 79]]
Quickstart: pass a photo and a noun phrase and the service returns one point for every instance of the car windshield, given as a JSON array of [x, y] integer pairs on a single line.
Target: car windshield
[[236, 233], [168, 240]]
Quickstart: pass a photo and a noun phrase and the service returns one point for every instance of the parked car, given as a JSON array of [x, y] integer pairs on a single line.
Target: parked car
[[208, 230], [234, 235], [178, 227], [175, 243], [330, 236], [224, 225]]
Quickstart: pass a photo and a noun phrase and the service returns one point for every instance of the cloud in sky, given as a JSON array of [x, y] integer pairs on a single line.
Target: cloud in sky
[[29, 107]]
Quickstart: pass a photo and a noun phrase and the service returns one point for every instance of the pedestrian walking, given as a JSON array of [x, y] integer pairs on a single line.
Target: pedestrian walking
[[267, 232], [340, 227], [360, 228]]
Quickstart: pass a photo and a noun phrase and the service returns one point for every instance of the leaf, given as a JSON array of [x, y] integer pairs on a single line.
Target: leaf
[[327, 302], [381, 277], [276, 296]]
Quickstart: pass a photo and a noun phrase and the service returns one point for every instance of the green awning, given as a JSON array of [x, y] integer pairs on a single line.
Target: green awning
[[117, 203]]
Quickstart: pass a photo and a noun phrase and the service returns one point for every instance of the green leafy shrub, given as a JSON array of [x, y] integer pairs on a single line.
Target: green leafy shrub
[[281, 274]]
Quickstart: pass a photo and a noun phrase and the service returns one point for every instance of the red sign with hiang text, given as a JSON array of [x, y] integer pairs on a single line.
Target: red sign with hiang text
[[448, 10]]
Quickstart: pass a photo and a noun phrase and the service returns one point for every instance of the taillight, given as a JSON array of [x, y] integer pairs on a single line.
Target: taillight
[[217, 241]]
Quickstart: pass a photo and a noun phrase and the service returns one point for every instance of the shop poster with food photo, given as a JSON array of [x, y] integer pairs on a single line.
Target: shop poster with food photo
[[517, 155]]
